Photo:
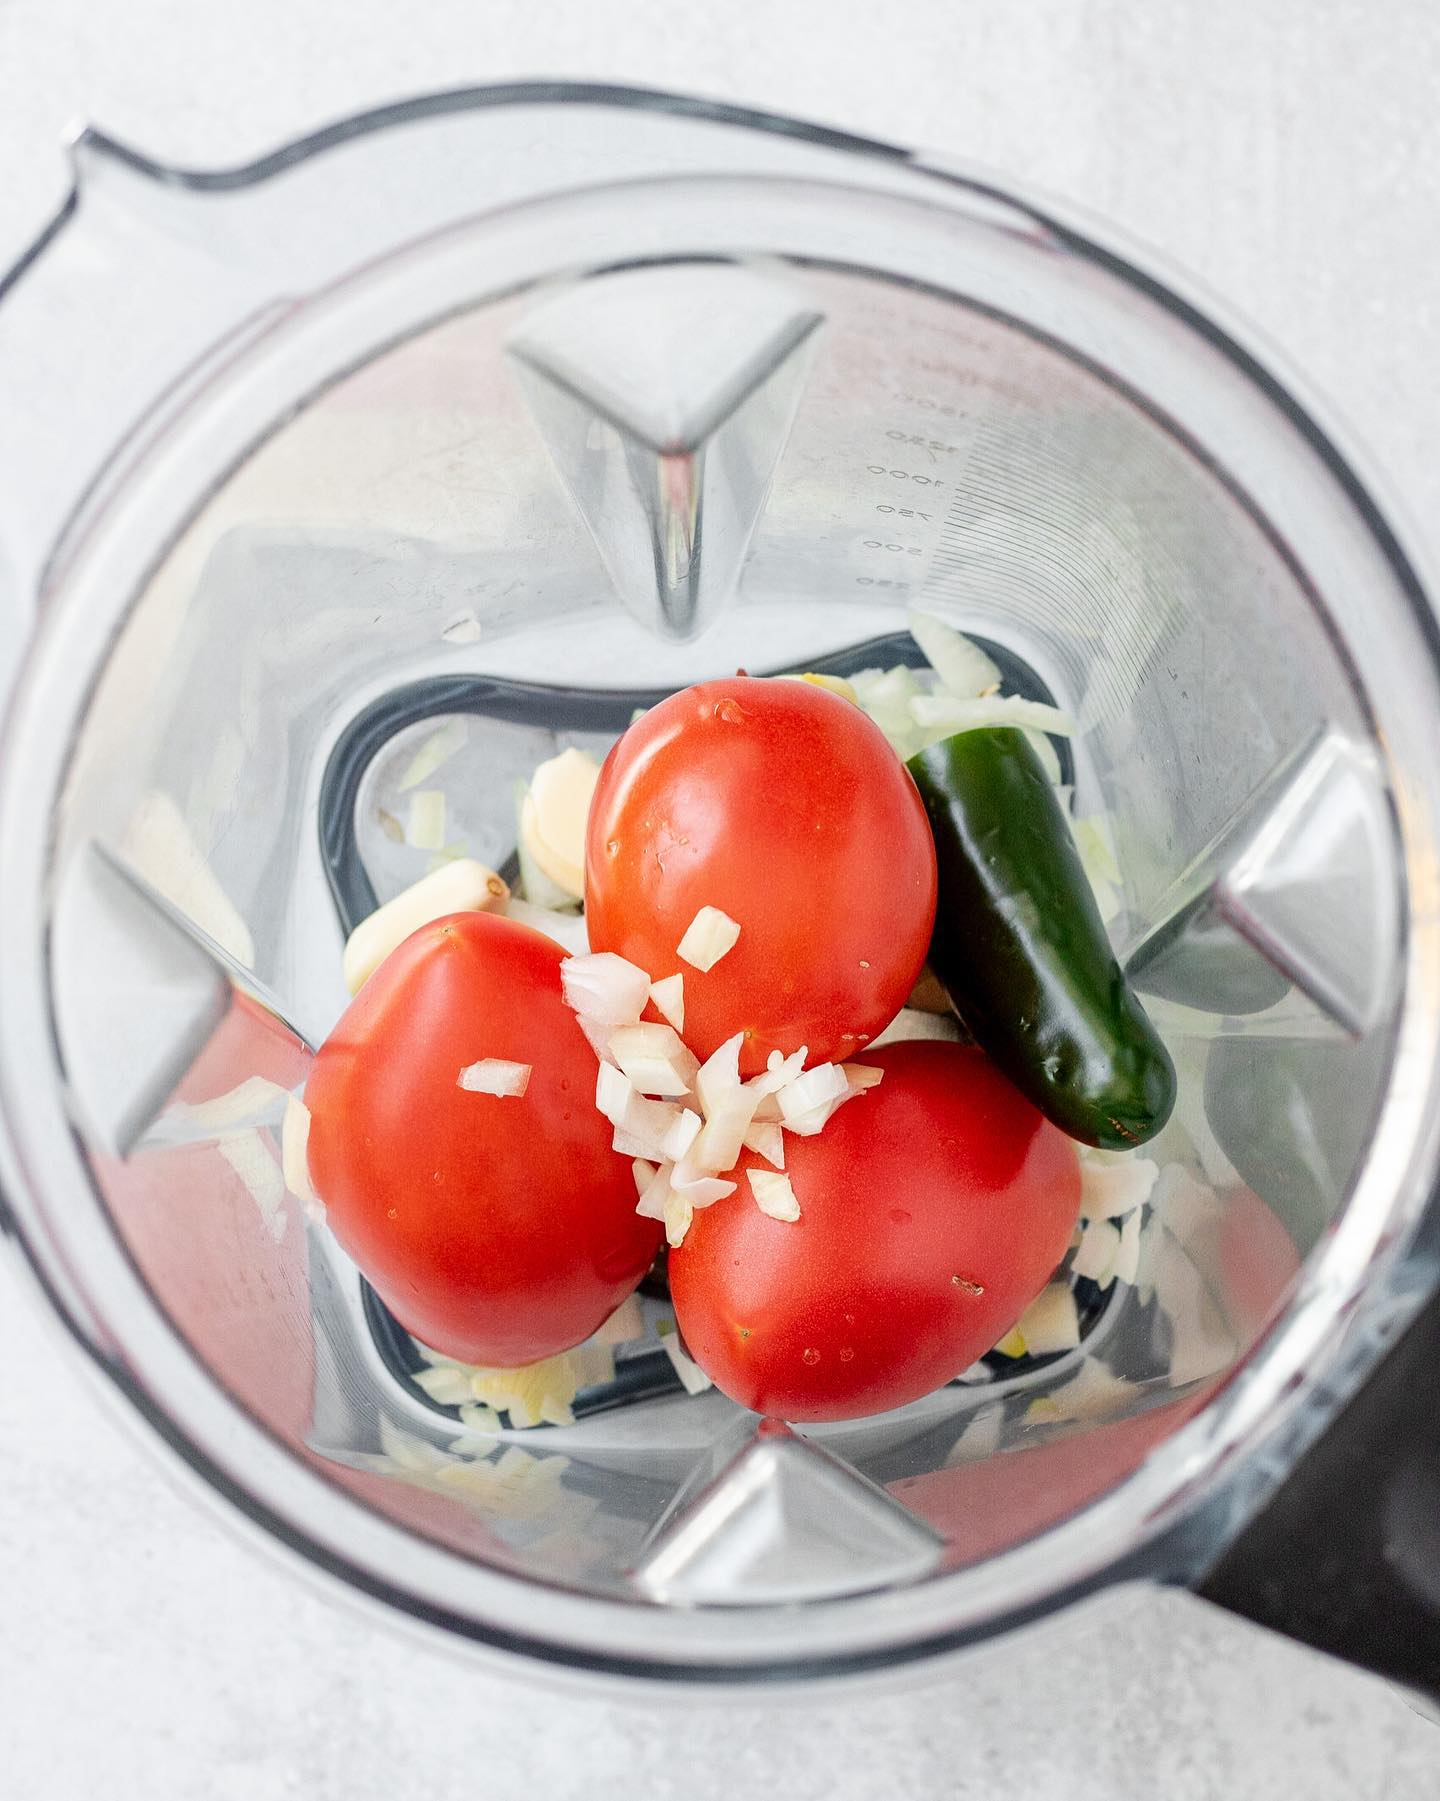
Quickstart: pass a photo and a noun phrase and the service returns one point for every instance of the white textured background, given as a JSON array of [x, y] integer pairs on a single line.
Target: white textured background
[[1287, 151]]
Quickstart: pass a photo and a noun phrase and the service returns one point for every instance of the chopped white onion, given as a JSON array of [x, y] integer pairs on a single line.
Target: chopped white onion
[[1114, 1182], [1099, 1244], [722, 1137], [646, 1127], [567, 929], [625, 1323], [613, 1093], [719, 1074], [495, 1075], [773, 1194], [249, 1156], [860, 1076], [778, 1071], [655, 1059], [698, 1190], [679, 1211], [651, 1203], [1050, 1322], [942, 711], [669, 998], [681, 1134], [463, 886], [598, 1037], [767, 1141], [295, 1158], [692, 1378], [1045, 753], [963, 668], [482, 1420], [464, 628], [438, 748], [813, 1089], [450, 1387], [644, 1174], [710, 936], [257, 1101], [426, 829], [605, 988]]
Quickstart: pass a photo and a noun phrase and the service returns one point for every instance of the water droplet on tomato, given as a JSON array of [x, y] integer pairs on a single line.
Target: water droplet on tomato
[[899, 1216], [613, 847], [847, 1352], [811, 1356]]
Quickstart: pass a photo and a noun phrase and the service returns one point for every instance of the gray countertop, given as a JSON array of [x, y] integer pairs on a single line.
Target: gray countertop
[[1287, 151]]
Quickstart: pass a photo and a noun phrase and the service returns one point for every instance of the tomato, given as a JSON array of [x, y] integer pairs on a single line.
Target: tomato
[[497, 1230], [783, 806], [933, 1208]]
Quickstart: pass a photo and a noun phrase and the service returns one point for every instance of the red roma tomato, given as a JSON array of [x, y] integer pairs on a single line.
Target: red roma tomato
[[933, 1209], [783, 806], [498, 1231]]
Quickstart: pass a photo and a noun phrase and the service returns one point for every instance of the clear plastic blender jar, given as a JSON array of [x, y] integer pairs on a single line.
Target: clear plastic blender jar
[[479, 423]]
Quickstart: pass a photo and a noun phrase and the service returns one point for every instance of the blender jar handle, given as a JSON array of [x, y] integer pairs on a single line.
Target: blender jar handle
[[1345, 1556]]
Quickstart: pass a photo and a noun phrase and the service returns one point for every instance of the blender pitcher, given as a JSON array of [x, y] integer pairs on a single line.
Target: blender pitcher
[[449, 437]]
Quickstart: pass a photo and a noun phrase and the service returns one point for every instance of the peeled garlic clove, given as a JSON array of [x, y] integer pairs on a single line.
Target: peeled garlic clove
[[554, 815], [464, 886]]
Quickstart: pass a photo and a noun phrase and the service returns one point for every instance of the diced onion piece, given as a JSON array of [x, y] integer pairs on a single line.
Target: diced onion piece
[[655, 1058], [767, 1110], [249, 1156], [257, 1101], [669, 998], [1012, 1344], [698, 1191], [944, 712], [651, 1204], [644, 1174], [679, 1211], [1114, 1182], [625, 1323], [911, 1022], [719, 1075], [482, 1420], [450, 1387], [605, 988], [613, 1093], [426, 829], [464, 628], [778, 1071], [722, 1137], [1051, 1322], [1127, 1258], [1099, 1245], [767, 1141], [567, 929], [963, 668], [598, 1037], [1045, 752], [681, 1134], [438, 748], [813, 1089], [464, 886], [554, 815], [692, 1378], [295, 1158], [710, 936], [860, 1076], [645, 1128], [495, 1075], [810, 1124], [773, 1194]]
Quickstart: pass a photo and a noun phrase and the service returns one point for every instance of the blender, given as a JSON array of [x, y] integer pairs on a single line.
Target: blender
[[478, 423]]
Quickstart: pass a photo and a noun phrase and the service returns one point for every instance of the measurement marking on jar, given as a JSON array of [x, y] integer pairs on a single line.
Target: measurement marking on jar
[[936, 446], [877, 581], [904, 475], [904, 550], [906, 513]]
